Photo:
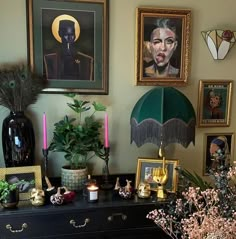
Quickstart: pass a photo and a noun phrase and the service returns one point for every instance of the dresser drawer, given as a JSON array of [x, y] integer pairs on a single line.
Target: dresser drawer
[[49, 225], [127, 217]]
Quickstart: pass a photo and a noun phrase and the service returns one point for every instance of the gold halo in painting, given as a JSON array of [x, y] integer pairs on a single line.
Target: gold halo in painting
[[55, 26]]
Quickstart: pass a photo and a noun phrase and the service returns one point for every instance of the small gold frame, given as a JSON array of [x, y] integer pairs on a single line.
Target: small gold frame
[[217, 116], [144, 164], [20, 172], [208, 137]]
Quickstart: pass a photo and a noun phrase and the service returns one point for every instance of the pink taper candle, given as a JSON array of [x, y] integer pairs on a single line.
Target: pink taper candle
[[45, 143], [106, 132]]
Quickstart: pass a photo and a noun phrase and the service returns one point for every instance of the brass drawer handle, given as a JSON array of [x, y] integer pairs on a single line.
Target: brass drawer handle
[[9, 227], [123, 216], [73, 222]]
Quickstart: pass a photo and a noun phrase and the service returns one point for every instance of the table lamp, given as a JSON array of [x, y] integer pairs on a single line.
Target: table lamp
[[163, 116]]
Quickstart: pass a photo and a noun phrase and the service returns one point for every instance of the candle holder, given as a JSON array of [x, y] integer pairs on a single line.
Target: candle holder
[[45, 160], [106, 185]]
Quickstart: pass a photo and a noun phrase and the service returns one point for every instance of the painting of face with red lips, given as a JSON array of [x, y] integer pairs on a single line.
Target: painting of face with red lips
[[163, 46]]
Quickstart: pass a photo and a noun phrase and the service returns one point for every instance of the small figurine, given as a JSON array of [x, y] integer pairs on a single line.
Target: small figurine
[[57, 199], [126, 192], [37, 197], [68, 196], [144, 190], [117, 185], [51, 190]]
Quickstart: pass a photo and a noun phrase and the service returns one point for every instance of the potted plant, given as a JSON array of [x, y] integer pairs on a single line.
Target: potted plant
[[9, 194], [79, 138]]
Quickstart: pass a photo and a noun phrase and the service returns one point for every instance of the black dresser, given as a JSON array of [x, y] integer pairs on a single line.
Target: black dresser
[[110, 218]]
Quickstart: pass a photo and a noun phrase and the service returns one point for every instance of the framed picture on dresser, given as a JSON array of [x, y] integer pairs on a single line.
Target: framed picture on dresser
[[148, 167], [26, 178]]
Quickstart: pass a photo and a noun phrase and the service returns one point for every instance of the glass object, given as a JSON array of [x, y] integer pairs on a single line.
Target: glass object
[[92, 191], [18, 141]]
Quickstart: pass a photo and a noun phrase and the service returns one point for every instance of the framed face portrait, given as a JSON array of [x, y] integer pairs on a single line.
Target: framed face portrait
[[218, 150], [67, 42], [162, 46], [214, 103], [147, 167]]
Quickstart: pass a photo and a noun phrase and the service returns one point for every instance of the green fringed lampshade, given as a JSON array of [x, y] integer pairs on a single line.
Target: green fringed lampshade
[[163, 116]]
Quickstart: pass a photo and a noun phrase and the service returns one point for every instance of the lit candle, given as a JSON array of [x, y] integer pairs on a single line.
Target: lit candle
[[106, 131], [45, 144], [92, 193]]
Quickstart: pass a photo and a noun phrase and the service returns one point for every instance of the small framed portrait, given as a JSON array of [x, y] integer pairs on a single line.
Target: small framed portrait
[[147, 167], [218, 151], [68, 44], [162, 46], [25, 177], [214, 103]]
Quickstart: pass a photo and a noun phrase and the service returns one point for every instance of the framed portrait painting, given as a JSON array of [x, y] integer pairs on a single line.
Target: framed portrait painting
[[162, 46], [218, 150], [26, 178], [68, 44], [214, 103], [147, 167]]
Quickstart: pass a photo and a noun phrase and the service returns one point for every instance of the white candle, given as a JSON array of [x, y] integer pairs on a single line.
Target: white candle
[[92, 193]]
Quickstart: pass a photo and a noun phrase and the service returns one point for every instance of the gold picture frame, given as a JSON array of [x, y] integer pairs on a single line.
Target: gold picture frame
[[208, 137], [28, 173], [214, 103], [144, 169], [155, 65]]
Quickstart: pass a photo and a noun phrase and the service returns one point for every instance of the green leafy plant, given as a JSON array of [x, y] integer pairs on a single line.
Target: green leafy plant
[[5, 189], [78, 137], [193, 179]]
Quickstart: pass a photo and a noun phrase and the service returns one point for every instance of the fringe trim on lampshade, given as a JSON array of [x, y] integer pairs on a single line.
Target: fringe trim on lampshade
[[172, 131]]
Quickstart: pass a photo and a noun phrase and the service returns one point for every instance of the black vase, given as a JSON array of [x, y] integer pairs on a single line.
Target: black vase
[[18, 141]]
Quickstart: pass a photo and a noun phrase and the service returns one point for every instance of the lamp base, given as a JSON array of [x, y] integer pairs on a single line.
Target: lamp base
[[160, 192]]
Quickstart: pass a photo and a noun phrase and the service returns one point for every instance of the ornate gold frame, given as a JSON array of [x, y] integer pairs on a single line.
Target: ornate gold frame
[[182, 52], [24, 170], [171, 164], [222, 88]]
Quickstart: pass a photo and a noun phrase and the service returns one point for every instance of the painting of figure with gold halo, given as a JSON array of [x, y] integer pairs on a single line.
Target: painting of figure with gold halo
[[68, 44]]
